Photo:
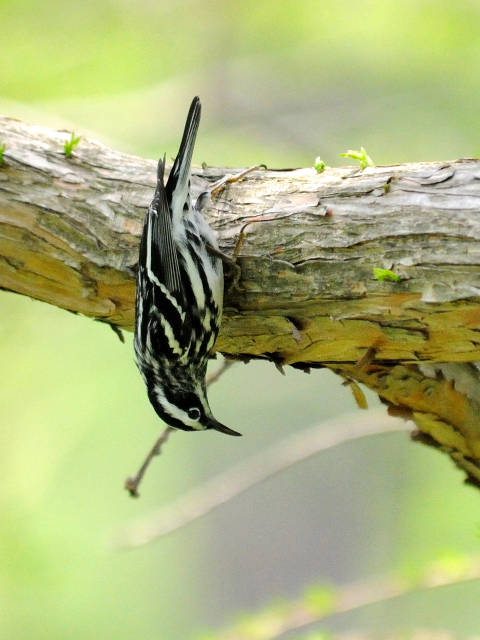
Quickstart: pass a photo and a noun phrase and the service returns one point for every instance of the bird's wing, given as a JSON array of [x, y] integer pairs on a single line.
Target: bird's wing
[[161, 259], [178, 183]]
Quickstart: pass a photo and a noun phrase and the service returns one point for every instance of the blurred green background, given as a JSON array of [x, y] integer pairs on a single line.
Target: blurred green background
[[281, 83]]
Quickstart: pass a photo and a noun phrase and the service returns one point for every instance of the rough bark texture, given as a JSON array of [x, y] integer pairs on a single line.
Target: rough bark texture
[[69, 233]]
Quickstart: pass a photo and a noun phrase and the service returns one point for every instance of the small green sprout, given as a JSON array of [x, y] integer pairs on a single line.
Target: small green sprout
[[320, 165], [3, 146], [365, 161], [71, 144], [386, 274]]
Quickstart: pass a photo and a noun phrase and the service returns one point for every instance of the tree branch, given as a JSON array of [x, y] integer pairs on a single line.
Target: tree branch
[[69, 233], [70, 229]]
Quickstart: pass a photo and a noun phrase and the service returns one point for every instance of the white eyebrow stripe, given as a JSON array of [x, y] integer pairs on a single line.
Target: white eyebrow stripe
[[177, 413]]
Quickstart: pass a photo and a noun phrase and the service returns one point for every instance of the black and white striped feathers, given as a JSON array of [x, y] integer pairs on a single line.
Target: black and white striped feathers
[[179, 296]]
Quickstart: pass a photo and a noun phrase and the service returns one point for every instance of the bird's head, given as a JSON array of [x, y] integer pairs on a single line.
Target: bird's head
[[185, 407]]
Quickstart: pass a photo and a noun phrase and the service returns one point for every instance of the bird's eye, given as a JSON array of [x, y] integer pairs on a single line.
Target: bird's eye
[[193, 413]]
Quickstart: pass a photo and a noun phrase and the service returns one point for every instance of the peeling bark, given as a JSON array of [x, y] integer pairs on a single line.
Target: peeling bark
[[69, 233]]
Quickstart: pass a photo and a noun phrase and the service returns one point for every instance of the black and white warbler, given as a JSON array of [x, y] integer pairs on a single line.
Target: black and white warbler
[[179, 296]]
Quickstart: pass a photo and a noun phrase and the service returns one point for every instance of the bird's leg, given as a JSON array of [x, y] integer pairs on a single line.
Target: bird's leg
[[219, 186], [214, 191], [231, 262]]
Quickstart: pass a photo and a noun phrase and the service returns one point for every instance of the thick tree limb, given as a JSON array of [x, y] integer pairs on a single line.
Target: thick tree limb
[[70, 227]]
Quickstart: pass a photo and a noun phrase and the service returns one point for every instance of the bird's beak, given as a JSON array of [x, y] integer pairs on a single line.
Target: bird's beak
[[218, 426]]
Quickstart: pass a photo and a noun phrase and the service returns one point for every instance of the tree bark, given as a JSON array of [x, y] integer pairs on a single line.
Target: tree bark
[[70, 228]]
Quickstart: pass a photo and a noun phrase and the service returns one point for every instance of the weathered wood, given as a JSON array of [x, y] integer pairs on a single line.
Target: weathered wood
[[70, 227]]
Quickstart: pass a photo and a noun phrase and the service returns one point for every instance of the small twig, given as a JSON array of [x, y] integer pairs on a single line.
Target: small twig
[[233, 481], [215, 375], [132, 484]]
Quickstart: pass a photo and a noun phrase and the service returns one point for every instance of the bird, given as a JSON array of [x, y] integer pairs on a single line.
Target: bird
[[179, 296]]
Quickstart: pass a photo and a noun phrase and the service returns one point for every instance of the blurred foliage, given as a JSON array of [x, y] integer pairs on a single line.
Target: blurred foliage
[[280, 83], [321, 602]]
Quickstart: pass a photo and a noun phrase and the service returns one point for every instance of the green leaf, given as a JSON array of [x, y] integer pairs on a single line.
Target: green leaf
[[71, 144], [320, 165], [2, 151], [361, 156], [386, 274]]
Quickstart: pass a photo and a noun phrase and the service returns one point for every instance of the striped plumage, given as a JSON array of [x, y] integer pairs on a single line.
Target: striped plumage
[[179, 296]]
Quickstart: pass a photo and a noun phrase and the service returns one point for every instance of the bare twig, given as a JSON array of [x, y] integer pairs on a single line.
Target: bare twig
[[223, 368], [232, 482], [132, 484]]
